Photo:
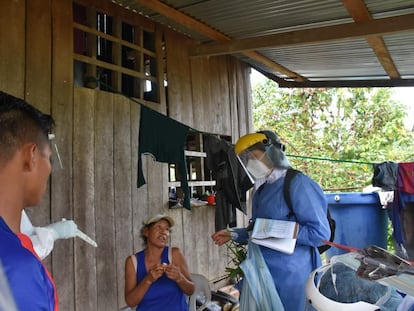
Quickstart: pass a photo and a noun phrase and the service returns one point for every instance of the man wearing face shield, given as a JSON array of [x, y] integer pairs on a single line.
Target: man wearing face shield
[[43, 238], [262, 154]]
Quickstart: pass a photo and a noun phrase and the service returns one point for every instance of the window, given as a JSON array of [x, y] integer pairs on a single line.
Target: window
[[114, 55]]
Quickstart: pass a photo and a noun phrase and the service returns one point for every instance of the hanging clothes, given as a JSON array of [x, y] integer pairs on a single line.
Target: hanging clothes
[[405, 177], [385, 175], [232, 181], [403, 195], [165, 139]]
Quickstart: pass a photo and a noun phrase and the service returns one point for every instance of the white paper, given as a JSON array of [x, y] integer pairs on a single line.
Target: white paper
[[280, 244], [265, 228], [276, 234]]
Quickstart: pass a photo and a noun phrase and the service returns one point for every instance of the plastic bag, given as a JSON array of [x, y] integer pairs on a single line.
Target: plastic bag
[[254, 296]]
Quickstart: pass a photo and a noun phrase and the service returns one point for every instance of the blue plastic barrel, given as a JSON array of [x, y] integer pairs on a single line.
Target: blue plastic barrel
[[360, 220]]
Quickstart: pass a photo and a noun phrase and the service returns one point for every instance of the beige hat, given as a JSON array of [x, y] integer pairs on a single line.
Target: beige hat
[[158, 217]]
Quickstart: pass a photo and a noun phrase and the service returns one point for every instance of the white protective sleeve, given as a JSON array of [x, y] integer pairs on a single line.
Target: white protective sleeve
[[42, 237]]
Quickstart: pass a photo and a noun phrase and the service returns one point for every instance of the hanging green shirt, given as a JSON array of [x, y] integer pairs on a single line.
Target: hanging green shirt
[[165, 139]]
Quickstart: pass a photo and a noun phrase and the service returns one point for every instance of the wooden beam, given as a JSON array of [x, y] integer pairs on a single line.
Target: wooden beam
[[348, 83], [359, 12], [320, 34], [207, 31]]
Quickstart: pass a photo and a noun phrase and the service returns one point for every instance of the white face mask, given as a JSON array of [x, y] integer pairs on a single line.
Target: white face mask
[[257, 168]]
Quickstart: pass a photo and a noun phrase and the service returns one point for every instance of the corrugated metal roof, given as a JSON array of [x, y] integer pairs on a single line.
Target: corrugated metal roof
[[335, 60]]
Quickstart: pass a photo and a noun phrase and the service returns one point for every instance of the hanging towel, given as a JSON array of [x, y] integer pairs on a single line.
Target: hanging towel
[[165, 139]]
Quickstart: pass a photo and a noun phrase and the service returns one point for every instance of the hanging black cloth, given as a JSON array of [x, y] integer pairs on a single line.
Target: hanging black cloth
[[385, 175], [232, 181], [165, 139]]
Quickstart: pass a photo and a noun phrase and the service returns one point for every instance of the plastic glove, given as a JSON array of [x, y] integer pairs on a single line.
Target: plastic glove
[[63, 229]]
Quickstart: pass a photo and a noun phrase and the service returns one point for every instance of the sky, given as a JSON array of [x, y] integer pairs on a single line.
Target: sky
[[404, 95]]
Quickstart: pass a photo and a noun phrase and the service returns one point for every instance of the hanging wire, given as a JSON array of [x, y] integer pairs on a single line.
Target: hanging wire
[[137, 102], [206, 133], [329, 159]]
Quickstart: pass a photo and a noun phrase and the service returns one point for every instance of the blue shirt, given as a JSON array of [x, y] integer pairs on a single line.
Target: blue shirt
[[164, 293], [27, 276]]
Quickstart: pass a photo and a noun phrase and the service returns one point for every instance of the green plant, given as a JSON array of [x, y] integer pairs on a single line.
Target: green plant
[[238, 253]]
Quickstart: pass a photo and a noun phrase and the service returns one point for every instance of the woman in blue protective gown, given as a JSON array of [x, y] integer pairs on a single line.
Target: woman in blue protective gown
[[263, 156], [157, 277]]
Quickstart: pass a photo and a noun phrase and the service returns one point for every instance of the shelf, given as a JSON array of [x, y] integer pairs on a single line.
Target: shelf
[[198, 154], [194, 183]]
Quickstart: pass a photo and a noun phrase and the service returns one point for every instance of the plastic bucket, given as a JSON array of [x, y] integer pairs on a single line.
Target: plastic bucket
[[360, 220]]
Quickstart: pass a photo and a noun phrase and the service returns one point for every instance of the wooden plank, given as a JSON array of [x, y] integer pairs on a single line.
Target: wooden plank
[[123, 207], [192, 23], [161, 70], [62, 109], [113, 9], [219, 96], [197, 238], [360, 13], [156, 174], [247, 103], [106, 65], [117, 54], [139, 195], [177, 232], [218, 259], [234, 109], [116, 38], [38, 84], [223, 92], [193, 183], [203, 113], [179, 78], [243, 98], [104, 202], [12, 47], [84, 197], [183, 19], [346, 31]]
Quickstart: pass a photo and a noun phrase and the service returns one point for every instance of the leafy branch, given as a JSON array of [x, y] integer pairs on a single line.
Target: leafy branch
[[238, 253]]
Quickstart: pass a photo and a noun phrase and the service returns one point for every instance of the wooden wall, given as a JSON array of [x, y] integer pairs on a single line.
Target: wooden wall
[[97, 135]]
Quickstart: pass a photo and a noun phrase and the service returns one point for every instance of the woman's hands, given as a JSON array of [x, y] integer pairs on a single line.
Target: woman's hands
[[172, 272], [154, 273]]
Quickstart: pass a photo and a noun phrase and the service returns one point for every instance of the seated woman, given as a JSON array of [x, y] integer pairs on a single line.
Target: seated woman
[[157, 277]]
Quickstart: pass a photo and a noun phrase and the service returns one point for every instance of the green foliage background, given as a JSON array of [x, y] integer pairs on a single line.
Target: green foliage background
[[352, 128], [346, 125]]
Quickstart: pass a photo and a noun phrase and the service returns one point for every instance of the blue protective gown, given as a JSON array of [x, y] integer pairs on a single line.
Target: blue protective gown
[[290, 272], [28, 278]]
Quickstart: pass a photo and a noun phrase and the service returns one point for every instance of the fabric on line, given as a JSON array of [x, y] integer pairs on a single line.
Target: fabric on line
[[165, 139]]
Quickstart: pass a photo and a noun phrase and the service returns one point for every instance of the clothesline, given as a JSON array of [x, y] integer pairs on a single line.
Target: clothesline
[[206, 133], [329, 159], [139, 103]]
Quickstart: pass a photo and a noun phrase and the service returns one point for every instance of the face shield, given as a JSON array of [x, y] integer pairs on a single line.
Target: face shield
[[260, 153], [256, 161], [56, 159], [316, 300]]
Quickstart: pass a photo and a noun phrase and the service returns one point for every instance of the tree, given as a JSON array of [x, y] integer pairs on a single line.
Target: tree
[[351, 128]]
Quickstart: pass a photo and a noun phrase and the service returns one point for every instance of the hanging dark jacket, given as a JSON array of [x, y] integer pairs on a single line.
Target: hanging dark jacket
[[232, 181]]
